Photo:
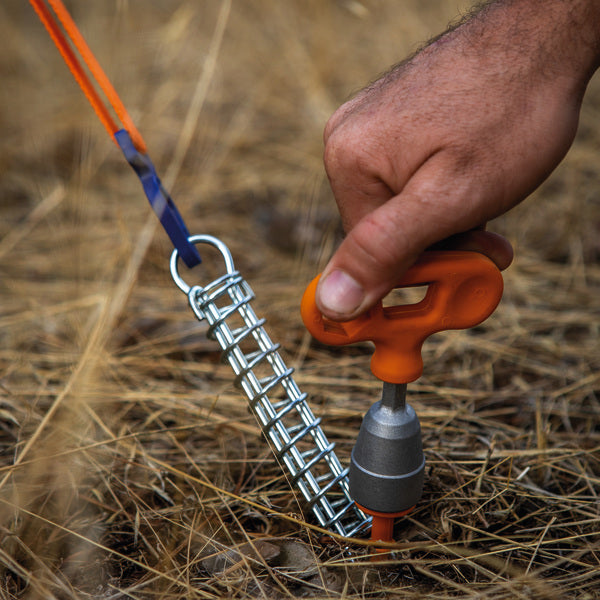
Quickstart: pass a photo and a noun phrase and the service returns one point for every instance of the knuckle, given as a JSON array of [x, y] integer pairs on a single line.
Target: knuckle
[[347, 152], [338, 118]]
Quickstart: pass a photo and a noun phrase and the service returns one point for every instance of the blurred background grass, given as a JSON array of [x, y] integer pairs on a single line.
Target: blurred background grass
[[121, 434]]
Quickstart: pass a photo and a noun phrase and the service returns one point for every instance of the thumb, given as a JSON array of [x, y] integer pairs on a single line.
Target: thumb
[[370, 260]]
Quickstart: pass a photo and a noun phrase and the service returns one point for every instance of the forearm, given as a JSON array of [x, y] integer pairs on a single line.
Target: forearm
[[562, 37], [539, 43]]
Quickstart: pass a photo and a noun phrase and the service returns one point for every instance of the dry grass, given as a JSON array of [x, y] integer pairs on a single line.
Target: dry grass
[[129, 465]]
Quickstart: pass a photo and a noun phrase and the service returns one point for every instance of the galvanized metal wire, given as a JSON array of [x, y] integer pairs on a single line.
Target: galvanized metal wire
[[281, 408]]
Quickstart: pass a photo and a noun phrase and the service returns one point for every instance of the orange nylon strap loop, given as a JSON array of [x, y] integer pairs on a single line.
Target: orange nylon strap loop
[[126, 137], [92, 64]]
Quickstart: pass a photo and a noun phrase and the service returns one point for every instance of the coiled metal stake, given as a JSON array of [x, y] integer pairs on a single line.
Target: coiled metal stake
[[274, 397]]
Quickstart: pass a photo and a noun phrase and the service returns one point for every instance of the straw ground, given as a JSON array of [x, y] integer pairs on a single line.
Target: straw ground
[[129, 464]]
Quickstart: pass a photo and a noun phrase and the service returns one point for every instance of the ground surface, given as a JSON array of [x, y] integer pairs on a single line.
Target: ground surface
[[129, 464]]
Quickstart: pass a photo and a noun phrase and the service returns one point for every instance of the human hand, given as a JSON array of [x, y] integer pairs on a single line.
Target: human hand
[[452, 138]]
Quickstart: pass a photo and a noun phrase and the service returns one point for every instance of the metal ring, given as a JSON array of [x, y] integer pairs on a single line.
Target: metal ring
[[200, 239]]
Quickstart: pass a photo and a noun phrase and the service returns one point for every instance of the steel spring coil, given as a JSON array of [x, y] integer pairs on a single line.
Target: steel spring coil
[[280, 407]]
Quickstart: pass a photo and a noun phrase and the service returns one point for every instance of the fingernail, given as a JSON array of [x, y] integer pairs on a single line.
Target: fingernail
[[340, 293]]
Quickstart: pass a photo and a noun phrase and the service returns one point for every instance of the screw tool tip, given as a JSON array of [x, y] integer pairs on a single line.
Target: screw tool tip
[[382, 526]]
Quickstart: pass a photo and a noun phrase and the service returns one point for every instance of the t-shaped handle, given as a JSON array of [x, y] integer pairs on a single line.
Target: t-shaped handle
[[463, 290]]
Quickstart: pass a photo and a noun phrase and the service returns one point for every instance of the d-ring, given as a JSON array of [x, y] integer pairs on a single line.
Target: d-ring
[[200, 239]]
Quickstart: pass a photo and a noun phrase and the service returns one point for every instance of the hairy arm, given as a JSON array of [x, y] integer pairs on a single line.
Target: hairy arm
[[452, 137]]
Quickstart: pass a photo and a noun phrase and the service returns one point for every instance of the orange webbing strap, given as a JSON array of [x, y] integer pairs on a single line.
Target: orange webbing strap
[[98, 75], [125, 135]]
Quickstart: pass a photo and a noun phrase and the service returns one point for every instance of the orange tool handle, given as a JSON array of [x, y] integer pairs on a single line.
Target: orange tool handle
[[463, 290]]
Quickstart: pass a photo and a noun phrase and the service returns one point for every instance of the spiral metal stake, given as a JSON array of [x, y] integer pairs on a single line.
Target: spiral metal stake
[[274, 397]]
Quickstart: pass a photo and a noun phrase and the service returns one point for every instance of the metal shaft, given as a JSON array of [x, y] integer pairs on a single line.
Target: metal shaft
[[393, 396]]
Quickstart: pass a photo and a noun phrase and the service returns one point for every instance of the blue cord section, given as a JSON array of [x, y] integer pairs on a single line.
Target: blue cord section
[[159, 199]]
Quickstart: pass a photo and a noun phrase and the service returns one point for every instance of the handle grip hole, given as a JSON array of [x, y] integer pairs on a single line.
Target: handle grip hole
[[406, 296]]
